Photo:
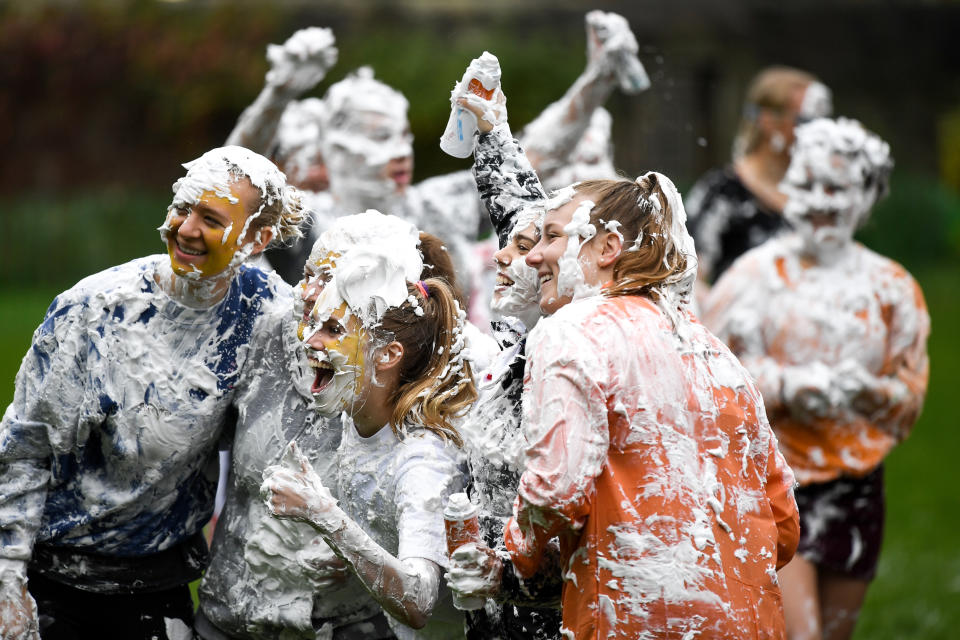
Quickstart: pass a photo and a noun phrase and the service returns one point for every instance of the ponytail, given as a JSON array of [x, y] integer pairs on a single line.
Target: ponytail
[[436, 383]]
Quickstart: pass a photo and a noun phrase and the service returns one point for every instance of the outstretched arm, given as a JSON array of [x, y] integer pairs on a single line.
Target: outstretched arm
[[611, 61], [406, 589], [295, 67]]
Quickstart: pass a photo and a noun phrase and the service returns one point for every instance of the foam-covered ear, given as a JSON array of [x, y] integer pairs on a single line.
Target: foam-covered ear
[[261, 238], [389, 356], [610, 250]]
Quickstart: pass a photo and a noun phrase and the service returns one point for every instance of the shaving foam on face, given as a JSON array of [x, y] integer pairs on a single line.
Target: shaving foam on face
[[345, 355], [835, 176], [363, 263], [299, 133], [214, 175], [217, 169], [528, 218], [571, 280], [366, 127], [521, 299]]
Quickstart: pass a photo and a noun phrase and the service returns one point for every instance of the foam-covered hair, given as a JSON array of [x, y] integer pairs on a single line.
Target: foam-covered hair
[[868, 160], [280, 204], [360, 91]]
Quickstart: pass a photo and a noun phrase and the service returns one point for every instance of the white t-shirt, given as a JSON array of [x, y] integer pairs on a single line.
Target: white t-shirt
[[396, 490]]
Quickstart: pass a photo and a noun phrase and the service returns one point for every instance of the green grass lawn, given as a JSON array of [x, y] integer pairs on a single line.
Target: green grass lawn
[[917, 590]]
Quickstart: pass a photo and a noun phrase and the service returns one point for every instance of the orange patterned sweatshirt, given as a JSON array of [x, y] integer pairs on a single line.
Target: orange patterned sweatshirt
[[650, 456], [839, 351]]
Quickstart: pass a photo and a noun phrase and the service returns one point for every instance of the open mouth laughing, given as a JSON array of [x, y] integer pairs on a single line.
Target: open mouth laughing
[[323, 375], [821, 219], [503, 280]]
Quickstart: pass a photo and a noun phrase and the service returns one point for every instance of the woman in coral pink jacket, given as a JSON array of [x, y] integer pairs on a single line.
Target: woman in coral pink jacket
[[650, 458]]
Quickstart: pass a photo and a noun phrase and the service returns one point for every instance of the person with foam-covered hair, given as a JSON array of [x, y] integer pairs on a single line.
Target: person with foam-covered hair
[[271, 578], [836, 337], [649, 457], [493, 439], [626, 402], [108, 452], [278, 125], [386, 349], [740, 206]]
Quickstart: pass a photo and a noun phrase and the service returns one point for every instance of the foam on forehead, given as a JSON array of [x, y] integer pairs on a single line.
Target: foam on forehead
[[372, 228], [360, 91], [531, 214], [376, 256], [366, 127], [840, 151], [218, 168]]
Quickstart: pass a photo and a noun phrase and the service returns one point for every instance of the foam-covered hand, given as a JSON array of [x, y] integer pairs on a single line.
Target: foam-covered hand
[[300, 495], [302, 61], [490, 113], [480, 88], [18, 611], [810, 392], [612, 49], [866, 393], [475, 570]]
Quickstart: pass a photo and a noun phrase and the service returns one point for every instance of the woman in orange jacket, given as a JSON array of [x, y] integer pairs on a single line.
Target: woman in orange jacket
[[836, 338], [650, 458]]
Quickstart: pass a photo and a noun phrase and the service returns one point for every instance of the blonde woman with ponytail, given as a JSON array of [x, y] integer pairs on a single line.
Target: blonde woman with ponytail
[[387, 351], [649, 455]]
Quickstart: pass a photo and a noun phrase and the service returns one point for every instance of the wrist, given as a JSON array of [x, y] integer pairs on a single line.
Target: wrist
[[326, 518]]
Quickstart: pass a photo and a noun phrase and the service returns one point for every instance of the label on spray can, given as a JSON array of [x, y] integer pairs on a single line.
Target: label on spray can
[[481, 78]]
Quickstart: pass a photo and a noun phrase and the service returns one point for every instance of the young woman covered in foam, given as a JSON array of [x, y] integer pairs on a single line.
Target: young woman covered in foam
[[272, 578], [493, 438], [649, 454], [387, 351], [108, 452], [836, 337]]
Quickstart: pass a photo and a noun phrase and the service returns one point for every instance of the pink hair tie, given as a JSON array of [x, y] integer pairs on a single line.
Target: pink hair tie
[[423, 288]]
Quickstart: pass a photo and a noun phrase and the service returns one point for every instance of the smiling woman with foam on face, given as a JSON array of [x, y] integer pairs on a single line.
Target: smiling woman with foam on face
[[108, 453], [387, 351], [272, 578], [648, 453], [231, 205]]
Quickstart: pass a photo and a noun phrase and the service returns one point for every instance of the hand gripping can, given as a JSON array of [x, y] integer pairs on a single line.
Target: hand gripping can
[[461, 518], [481, 78]]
